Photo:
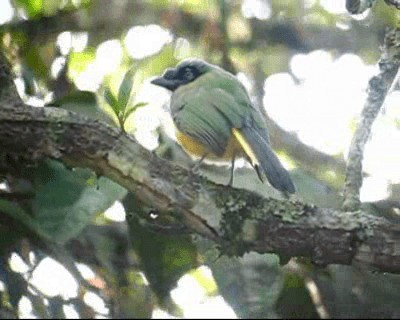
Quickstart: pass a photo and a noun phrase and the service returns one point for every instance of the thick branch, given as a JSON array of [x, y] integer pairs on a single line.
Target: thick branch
[[236, 219], [378, 89]]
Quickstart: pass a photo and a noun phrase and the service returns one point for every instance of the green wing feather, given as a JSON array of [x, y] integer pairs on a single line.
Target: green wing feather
[[208, 111], [196, 116]]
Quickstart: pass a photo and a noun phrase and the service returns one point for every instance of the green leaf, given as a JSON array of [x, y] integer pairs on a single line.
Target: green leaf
[[17, 287], [16, 212], [35, 64], [248, 275], [56, 308], [79, 61], [134, 108], [295, 300], [66, 200], [125, 89], [39, 306], [50, 7], [31, 7], [164, 258], [111, 100]]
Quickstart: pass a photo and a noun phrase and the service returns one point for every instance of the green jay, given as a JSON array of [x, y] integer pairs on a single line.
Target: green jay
[[216, 120]]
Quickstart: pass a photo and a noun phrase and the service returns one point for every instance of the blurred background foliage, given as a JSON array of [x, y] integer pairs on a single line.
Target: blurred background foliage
[[77, 245]]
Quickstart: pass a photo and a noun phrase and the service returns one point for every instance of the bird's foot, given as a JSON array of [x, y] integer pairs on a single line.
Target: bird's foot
[[195, 168]]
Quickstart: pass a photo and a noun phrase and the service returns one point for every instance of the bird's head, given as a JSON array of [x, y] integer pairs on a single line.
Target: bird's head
[[185, 72]]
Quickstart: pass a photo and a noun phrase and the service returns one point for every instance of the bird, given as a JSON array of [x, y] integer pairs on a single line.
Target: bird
[[216, 120]]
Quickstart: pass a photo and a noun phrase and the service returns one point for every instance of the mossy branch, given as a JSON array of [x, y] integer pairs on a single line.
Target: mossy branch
[[237, 220]]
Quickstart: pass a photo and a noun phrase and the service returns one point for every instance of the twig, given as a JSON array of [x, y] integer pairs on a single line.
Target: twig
[[378, 88]]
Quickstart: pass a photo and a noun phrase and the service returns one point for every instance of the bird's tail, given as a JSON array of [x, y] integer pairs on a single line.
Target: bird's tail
[[264, 159]]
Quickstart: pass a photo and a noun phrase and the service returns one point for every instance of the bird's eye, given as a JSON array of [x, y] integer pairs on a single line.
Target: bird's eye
[[189, 74]]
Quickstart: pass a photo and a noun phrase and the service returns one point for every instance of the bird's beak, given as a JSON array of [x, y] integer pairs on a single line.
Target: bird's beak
[[162, 82], [167, 80]]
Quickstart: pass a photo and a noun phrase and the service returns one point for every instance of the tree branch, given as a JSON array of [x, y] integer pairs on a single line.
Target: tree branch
[[378, 89], [237, 220]]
